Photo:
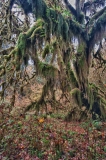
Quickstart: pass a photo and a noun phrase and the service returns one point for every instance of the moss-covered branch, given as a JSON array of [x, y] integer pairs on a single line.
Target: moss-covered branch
[[98, 26], [97, 15]]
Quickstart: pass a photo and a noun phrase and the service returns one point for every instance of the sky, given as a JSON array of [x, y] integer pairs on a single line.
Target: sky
[[72, 2]]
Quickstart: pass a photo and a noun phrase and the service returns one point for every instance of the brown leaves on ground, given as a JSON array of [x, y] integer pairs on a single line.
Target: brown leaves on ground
[[32, 138]]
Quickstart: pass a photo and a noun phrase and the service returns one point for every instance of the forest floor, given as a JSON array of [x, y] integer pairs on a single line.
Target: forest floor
[[27, 136], [31, 137]]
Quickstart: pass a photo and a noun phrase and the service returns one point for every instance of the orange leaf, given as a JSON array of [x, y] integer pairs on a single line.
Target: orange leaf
[[41, 120]]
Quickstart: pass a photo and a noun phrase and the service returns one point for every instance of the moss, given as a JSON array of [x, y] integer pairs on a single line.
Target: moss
[[81, 54], [45, 90], [53, 55], [76, 27], [59, 25], [91, 87], [81, 48], [77, 95], [48, 29], [21, 45], [53, 15], [40, 32], [46, 70], [101, 22], [38, 23], [45, 51], [102, 106], [30, 31], [94, 96], [71, 75], [65, 31], [60, 62], [39, 8], [81, 61]]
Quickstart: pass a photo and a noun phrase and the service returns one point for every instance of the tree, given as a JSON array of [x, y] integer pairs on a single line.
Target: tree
[[57, 22]]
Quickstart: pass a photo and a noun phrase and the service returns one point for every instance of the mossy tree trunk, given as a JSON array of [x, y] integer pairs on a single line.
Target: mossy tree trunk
[[56, 29]]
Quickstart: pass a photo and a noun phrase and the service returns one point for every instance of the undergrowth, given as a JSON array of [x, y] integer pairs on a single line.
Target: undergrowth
[[51, 138]]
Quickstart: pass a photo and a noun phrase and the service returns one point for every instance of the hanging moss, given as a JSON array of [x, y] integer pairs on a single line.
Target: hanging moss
[[75, 27], [91, 95], [103, 107], [48, 24], [45, 51], [78, 29], [77, 96], [53, 14], [81, 61], [46, 70], [53, 55], [21, 44], [39, 8], [97, 26], [73, 79], [60, 61], [38, 23], [54, 21], [40, 32], [71, 75], [95, 97], [81, 48], [59, 25], [65, 31]]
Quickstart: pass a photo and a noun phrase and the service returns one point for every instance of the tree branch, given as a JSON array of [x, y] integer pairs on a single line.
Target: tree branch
[[98, 31], [70, 7], [97, 15]]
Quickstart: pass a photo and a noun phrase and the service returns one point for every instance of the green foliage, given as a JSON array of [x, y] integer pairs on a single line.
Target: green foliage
[[66, 14], [105, 149], [97, 124], [57, 115]]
